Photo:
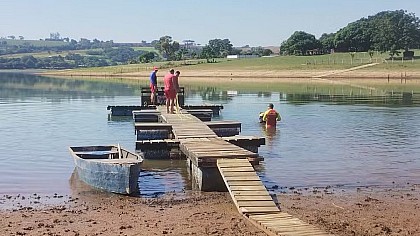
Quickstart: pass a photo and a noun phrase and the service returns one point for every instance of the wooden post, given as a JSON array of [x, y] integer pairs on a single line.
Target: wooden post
[[119, 152]]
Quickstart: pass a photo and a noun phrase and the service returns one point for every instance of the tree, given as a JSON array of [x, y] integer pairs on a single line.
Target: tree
[[385, 31], [260, 51], [29, 61], [180, 55], [147, 57], [396, 30], [356, 35], [167, 47], [299, 43], [327, 42], [55, 36], [217, 48]]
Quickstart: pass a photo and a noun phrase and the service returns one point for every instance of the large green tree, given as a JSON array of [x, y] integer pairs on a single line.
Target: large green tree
[[299, 43], [385, 31], [356, 36], [396, 30], [167, 47], [217, 48], [327, 41]]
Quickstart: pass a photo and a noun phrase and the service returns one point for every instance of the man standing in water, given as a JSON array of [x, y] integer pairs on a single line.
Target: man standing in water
[[271, 116], [170, 92], [153, 85]]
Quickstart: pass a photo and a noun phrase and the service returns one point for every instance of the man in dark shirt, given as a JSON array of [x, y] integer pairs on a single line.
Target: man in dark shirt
[[153, 85]]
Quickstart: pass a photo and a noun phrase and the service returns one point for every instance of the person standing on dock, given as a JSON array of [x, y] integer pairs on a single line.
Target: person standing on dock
[[176, 84], [177, 89], [170, 92], [271, 116], [153, 85]]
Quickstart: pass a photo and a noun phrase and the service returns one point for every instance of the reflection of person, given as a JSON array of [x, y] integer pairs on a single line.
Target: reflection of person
[[272, 136], [153, 85], [170, 92], [271, 116]]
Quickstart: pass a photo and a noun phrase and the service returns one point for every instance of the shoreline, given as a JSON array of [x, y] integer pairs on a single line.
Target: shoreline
[[354, 211], [245, 74], [359, 79]]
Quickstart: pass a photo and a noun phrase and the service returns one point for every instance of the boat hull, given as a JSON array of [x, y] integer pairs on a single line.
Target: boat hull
[[102, 171]]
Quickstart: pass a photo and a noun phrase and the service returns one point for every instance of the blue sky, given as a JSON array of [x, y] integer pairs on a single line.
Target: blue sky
[[252, 22]]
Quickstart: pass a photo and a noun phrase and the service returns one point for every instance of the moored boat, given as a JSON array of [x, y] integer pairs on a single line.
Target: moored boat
[[110, 168]]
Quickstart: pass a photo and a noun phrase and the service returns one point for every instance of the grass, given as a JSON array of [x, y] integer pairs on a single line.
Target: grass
[[287, 64], [334, 61]]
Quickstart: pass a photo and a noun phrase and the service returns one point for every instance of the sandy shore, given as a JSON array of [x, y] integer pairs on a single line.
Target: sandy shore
[[247, 74], [361, 211], [251, 78], [102, 214]]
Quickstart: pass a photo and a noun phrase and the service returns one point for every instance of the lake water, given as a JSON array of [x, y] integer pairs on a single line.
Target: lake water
[[318, 143]]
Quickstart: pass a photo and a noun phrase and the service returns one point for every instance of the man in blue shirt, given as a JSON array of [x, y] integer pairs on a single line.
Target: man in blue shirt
[[153, 85]]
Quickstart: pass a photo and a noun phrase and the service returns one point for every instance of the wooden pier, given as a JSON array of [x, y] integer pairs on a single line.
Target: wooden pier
[[213, 157], [255, 203], [219, 159]]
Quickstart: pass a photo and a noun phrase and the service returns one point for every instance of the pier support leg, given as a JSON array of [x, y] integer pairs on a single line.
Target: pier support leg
[[207, 178]]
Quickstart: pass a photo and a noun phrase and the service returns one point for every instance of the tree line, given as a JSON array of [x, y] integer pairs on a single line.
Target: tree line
[[216, 48], [99, 53], [93, 58], [387, 31]]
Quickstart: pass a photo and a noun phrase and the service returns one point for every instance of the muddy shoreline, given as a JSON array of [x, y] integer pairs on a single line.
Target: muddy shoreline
[[355, 211]]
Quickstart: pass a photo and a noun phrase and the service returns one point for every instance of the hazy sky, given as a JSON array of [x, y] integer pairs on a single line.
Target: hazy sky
[[252, 22]]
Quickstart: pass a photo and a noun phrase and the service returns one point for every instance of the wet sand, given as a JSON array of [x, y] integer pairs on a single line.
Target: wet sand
[[360, 211], [111, 214]]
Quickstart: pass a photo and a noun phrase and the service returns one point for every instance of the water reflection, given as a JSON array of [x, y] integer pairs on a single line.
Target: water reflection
[[20, 86], [270, 134], [162, 176]]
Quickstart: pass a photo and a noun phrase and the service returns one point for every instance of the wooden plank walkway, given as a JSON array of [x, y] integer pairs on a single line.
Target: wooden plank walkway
[[206, 151], [205, 148], [202, 146], [255, 203], [187, 126]]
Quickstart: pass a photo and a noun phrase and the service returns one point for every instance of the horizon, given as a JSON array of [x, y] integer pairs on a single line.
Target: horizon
[[242, 22]]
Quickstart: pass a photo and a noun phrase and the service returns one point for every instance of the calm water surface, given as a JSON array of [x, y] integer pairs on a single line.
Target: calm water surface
[[316, 144]]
